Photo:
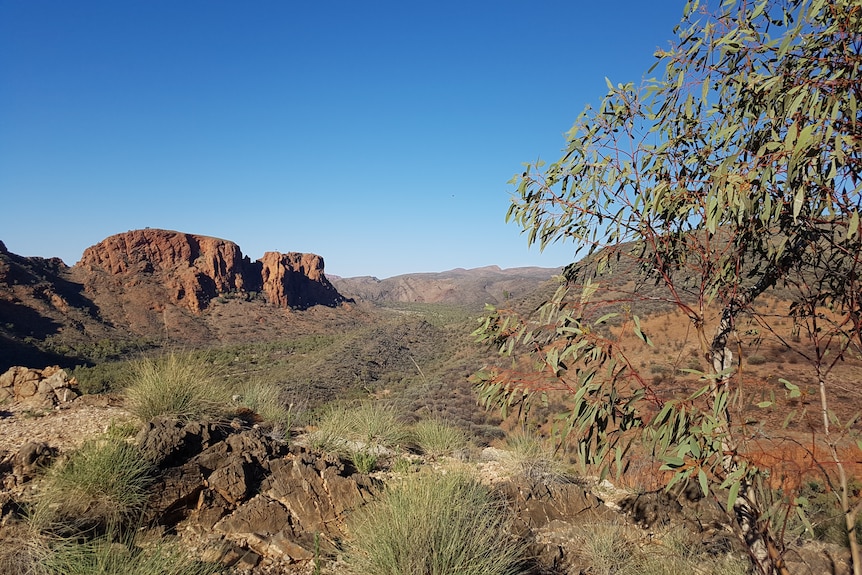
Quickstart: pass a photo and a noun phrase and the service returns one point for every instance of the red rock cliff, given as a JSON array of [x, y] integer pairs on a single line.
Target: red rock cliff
[[194, 269], [296, 280]]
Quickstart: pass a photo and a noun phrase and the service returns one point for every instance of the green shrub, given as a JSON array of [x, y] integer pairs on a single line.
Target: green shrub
[[755, 360], [437, 437], [102, 377], [433, 525], [175, 386], [104, 482]]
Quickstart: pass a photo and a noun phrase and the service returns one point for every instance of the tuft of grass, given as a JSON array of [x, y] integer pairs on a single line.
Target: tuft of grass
[[607, 548], [265, 399], [104, 482], [103, 556], [438, 437], [364, 461], [371, 427], [530, 457], [435, 525], [175, 386]]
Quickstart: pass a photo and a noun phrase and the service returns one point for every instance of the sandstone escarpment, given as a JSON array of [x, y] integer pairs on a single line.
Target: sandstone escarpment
[[192, 270], [296, 280]]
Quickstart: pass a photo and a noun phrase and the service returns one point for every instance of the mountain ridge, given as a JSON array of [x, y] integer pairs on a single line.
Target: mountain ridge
[[152, 285]]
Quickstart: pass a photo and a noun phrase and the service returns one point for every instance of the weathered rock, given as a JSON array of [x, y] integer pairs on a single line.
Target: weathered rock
[[546, 513], [296, 280], [193, 270], [260, 515], [175, 494], [231, 480], [167, 441], [37, 388], [32, 457], [317, 493]]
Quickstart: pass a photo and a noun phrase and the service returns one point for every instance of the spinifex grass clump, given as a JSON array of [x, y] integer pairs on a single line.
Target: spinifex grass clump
[[372, 427], [438, 437], [615, 548], [265, 399], [103, 556], [433, 525], [530, 457], [103, 483], [185, 387]]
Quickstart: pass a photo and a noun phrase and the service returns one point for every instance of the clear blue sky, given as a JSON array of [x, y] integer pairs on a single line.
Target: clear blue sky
[[379, 135]]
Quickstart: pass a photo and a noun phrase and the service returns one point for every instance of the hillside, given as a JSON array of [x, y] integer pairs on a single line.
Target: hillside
[[474, 287], [150, 288]]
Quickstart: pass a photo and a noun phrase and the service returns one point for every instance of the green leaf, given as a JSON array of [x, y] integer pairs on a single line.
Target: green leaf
[[791, 388], [701, 478], [798, 201], [732, 494], [639, 332], [672, 463], [605, 318]]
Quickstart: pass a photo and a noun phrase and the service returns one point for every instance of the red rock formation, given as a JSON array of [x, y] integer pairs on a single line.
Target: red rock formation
[[193, 269], [296, 280]]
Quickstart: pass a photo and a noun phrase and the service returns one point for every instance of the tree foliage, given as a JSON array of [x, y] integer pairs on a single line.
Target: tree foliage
[[733, 171]]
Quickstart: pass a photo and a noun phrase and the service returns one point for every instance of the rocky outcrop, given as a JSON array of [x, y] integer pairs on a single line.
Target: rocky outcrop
[[257, 497], [296, 280], [193, 270], [37, 388]]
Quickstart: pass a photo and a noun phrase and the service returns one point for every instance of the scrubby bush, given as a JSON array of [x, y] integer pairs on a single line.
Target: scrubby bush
[[433, 525]]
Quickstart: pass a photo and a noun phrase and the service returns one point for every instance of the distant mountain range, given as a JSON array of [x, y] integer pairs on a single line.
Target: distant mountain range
[[468, 287]]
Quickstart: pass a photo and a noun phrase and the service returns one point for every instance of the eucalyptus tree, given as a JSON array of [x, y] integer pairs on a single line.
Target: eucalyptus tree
[[733, 171]]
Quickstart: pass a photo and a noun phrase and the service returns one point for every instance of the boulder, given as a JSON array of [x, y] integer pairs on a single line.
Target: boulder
[[37, 388]]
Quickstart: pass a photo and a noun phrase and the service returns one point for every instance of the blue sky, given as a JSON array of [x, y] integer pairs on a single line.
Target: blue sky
[[379, 135]]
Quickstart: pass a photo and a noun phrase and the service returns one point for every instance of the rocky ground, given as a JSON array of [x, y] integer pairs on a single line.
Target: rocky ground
[[260, 506]]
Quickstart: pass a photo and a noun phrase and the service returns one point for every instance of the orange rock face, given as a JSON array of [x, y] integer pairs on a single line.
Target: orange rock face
[[194, 269], [296, 280]]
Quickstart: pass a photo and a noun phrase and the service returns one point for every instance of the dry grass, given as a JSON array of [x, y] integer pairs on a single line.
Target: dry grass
[[176, 386], [433, 525]]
